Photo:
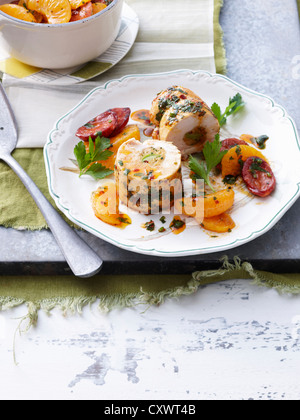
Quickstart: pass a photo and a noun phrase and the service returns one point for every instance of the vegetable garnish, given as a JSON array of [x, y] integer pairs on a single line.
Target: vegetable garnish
[[235, 104], [261, 141], [213, 156], [88, 162]]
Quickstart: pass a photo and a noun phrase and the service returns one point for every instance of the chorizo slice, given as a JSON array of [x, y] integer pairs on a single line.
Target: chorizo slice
[[258, 177], [103, 125], [123, 115]]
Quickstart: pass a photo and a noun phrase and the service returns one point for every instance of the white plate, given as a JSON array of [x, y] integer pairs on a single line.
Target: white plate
[[116, 52], [261, 116]]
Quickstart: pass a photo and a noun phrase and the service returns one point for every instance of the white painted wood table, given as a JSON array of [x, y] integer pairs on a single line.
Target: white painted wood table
[[231, 340]]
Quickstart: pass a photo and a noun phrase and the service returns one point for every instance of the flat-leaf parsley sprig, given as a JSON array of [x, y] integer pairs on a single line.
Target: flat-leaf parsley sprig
[[213, 156], [235, 104], [88, 162]]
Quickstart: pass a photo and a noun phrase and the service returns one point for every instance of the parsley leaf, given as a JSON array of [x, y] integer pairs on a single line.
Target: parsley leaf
[[88, 161], [213, 156], [235, 104]]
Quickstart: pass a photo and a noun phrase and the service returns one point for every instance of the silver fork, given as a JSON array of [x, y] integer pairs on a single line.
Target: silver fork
[[83, 261]]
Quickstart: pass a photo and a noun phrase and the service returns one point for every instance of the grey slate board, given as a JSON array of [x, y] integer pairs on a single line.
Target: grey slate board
[[262, 40]]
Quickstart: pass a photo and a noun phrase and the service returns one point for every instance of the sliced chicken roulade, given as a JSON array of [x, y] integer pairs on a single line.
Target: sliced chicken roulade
[[183, 119], [148, 169]]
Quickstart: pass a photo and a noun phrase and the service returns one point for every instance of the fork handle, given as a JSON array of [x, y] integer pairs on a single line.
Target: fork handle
[[83, 261]]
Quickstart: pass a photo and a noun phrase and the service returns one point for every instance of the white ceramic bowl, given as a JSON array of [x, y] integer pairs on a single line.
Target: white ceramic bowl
[[61, 45]]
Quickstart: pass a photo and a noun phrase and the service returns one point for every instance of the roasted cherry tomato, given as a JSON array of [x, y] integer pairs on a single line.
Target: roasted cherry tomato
[[258, 177]]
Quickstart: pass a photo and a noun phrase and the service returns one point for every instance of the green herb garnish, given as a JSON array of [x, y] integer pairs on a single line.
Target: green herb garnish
[[229, 179], [88, 162], [256, 167], [177, 224], [261, 141], [235, 104], [150, 226], [213, 156]]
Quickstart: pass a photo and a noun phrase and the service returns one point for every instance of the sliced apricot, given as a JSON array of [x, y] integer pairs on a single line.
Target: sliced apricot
[[38, 16], [98, 7], [232, 162], [219, 224], [129, 132], [18, 12], [218, 203], [75, 4], [190, 206], [55, 11], [105, 204], [210, 205]]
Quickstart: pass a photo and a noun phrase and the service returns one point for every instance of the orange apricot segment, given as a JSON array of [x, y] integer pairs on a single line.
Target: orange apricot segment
[[210, 205], [235, 157], [38, 16], [98, 7], [18, 12], [129, 132], [75, 4], [190, 206], [105, 205], [218, 203], [55, 11], [219, 224]]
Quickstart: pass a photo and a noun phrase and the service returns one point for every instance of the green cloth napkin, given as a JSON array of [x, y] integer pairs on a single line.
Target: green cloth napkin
[[71, 294]]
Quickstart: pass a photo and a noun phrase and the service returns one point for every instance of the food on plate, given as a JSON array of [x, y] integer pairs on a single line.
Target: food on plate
[[148, 173], [213, 204], [108, 124], [89, 158], [228, 144], [218, 203], [258, 177], [232, 162], [150, 167], [184, 119], [131, 131], [259, 141], [219, 224], [231, 142], [106, 206], [235, 105], [53, 11], [177, 225], [213, 155]]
